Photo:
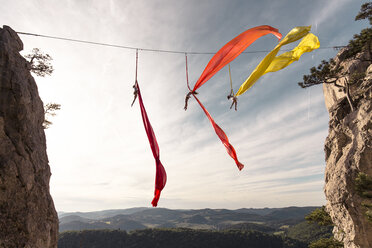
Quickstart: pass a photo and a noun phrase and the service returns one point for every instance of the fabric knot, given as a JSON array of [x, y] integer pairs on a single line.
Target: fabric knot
[[135, 92], [188, 96], [234, 101]]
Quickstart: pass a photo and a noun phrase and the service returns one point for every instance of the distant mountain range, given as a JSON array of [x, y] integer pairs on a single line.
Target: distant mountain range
[[268, 220]]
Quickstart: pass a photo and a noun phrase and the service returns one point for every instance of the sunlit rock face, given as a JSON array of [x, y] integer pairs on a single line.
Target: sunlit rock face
[[27, 214], [348, 150]]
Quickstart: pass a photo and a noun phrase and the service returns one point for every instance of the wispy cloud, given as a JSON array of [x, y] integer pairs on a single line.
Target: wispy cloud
[[327, 11], [97, 147]]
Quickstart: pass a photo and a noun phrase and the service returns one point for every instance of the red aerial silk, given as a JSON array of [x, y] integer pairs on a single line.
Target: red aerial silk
[[161, 175], [223, 137], [232, 50], [224, 56]]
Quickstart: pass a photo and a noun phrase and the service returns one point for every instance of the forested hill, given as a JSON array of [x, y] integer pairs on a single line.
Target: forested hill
[[180, 238], [160, 227], [213, 219]]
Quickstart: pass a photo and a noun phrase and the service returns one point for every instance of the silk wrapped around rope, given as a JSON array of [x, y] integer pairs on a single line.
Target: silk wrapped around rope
[[161, 175], [225, 55]]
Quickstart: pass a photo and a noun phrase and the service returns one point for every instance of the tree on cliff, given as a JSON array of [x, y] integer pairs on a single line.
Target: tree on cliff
[[40, 63], [329, 72], [319, 216], [50, 110], [365, 12], [41, 66], [322, 218]]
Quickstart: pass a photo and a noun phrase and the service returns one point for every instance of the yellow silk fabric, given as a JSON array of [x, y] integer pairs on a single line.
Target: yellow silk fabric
[[273, 63], [307, 44]]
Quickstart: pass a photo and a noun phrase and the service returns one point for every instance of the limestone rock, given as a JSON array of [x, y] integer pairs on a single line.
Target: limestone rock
[[348, 150], [27, 214]]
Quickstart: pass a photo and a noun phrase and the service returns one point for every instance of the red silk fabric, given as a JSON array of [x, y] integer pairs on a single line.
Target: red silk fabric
[[224, 56], [223, 137], [161, 175], [232, 50]]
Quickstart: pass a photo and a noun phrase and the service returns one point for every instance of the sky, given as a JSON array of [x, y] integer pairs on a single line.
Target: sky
[[98, 151]]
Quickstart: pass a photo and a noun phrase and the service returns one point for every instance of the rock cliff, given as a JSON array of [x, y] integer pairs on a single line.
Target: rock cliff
[[27, 214], [348, 150]]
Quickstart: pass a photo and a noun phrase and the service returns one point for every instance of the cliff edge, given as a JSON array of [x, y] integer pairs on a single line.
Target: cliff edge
[[27, 214], [348, 151]]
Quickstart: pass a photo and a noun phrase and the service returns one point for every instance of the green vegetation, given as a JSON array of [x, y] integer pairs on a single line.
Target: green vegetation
[[178, 237], [368, 212], [283, 227], [365, 12], [329, 72], [41, 66], [249, 226], [40, 63], [355, 45], [50, 110], [326, 72], [320, 219], [309, 232], [359, 41], [363, 185], [319, 216], [326, 243], [267, 220]]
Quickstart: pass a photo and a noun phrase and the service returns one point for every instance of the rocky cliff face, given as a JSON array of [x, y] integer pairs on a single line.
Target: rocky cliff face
[[348, 149], [27, 214]]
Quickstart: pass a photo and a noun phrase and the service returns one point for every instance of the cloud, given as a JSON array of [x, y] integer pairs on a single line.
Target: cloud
[[327, 11], [98, 150]]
